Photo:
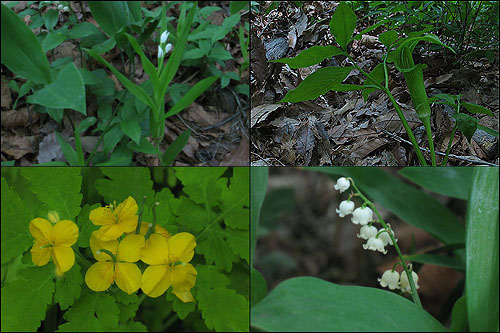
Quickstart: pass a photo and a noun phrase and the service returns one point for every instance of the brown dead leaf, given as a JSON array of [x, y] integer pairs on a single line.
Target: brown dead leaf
[[6, 95], [239, 156], [260, 113], [17, 147], [306, 140], [364, 147], [200, 116], [18, 118]]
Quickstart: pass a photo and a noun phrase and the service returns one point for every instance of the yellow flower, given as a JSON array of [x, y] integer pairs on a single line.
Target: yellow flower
[[158, 230], [169, 265], [115, 220], [119, 267], [53, 241]]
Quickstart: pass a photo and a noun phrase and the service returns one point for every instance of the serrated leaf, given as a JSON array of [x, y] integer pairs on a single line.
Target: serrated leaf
[[193, 216], [82, 316], [182, 309], [168, 205], [311, 56], [342, 24], [68, 288], [235, 200], [201, 183], [123, 182], [24, 301], [61, 193], [15, 216], [214, 246]]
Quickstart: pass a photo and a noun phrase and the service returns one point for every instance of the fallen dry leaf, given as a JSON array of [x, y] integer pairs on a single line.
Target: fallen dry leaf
[[16, 118], [17, 147], [238, 157], [260, 113]]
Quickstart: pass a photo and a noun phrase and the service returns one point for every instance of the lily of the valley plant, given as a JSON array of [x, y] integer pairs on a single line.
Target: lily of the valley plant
[[377, 239]]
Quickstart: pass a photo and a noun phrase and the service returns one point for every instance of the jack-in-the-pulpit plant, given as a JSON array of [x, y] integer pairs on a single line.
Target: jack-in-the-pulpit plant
[[377, 239]]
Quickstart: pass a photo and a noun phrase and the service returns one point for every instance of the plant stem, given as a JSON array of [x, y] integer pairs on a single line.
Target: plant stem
[[414, 293], [445, 160], [427, 125]]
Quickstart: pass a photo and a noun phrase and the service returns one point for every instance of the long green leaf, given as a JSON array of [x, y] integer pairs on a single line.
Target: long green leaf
[[175, 148], [68, 151], [258, 178], [482, 251], [146, 63], [111, 16], [139, 92], [191, 95], [21, 51], [311, 56], [308, 304]]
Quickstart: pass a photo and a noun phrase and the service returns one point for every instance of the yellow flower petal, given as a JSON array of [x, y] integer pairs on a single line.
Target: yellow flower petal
[[155, 252], [102, 216], [144, 228], [155, 280], [181, 247], [41, 229], [97, 244], [183, 278], [130, 248], [109, 232], [65, 233], [40, 256], [128, 277], [162, 231], [99, 276], [64, 258], [127, 215]]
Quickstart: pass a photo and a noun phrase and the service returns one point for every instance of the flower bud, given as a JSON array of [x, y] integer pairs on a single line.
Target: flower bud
[[346, 207], [362, 215], [389, 278], [160, 52], [342, 184], [375, 244], [168, 47], [405, 284], [164, 36], [53, 216], [367, 232], [60, 7]]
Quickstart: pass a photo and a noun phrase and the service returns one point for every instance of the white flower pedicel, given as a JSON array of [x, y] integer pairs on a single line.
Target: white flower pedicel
[[377, 239]]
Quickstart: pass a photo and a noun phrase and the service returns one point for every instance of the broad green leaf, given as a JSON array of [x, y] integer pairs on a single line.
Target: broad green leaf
[[317, 84], [111, 16], [175, 148], [434, 259], [193, 93], [67, 91], [182, 309], [452, 181], [235, 201], [61, 193], [15, 220], [24, 301], [258, 177], [236, 6], [466, 124], [482, 251], [50, 18], [474, 108], [308, 304], [201, 184], [487, 130], [405, 201], [21, 51], [459, 315], [388, 37], [222, 308], [93, 312], [342, 24], [132, 129], [53, 40], [378, 75], [311, 56], [124, 182], [259, 287], [83, 29], [68, 288], [144, 146]]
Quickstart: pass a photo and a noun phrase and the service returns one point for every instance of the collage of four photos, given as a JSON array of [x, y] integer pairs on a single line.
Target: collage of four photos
[[236, 166]]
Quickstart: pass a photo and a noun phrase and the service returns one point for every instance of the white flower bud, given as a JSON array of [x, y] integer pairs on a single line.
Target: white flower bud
[[342, 184], [367, 232], [384, 236], [66, 9], [375, 244], [164, 36], [405, 284], [160, 52], [168, 47], [60, 7], [362, 215], [346, 207], [389, 278]]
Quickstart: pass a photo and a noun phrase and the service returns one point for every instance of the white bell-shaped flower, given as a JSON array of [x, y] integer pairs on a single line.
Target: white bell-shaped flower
[[367, 232], [362, 215], [342, 184], [164, 36], [346, 207], [168, 47], [384, 236], [160, 52], [405, 284], [375, 244], [389, 279]]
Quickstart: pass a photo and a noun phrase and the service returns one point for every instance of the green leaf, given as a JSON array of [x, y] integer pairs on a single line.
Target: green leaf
[[68, 288], [144, 146], [111, 16], [85, 226], [68, 151], [21, 51], [182, 309], [132, 129], [93, 312], [482, 280], [487, 130], [311, 56], [200, 184], [53, 40], [175, 148], [378, 75], [342, 24], [223, 309], [259, 177], [309, 304], [434, 259], [259, 287], [235, 200], [15, 234], [466, 124], [24, 301], [50, 18], [146, 63], [388, 37], [459, 315], [317, 84], [452, 181], [67, 91], [193, 93], [236, 6], [474, 108], [61, 193], [124, 182]]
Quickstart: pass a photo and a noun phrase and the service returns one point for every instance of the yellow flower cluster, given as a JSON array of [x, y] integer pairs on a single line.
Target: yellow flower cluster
[[168, 256]]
